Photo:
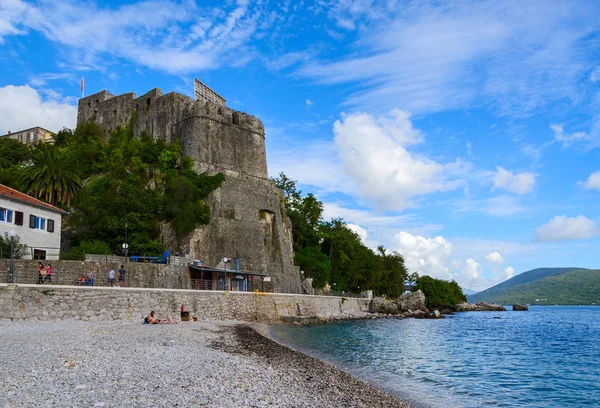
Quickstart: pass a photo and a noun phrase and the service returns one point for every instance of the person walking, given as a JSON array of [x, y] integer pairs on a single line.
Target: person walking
[[122, 272], [111, 277]]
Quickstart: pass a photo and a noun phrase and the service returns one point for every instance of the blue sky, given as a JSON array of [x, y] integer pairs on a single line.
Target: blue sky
[[463, 134]]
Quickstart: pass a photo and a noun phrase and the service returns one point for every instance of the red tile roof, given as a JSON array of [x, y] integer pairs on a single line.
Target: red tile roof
[[15, 195]]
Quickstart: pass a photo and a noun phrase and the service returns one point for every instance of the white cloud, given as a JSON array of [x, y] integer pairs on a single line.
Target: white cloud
[[494, 257], [471, 270], [21, 107], [499, 206], [432, 56], [316, 164], [358, 230], [509, 272], [520, 183], [567, 139], [427, 256], [563, 228], [373, 151], [593, 182], [309, 103], [595, 75], [162, 34], [11, 15]]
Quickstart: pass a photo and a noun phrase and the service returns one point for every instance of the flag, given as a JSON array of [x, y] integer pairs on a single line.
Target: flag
[[81, 85]]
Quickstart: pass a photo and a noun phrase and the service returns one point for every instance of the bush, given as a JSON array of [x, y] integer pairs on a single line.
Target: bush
[[440, 293]]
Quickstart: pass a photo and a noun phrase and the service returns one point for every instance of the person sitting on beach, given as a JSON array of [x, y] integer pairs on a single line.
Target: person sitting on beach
[[151, 320]]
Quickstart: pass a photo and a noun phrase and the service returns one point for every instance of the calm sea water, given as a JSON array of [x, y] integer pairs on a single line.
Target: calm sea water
[[545, 357]]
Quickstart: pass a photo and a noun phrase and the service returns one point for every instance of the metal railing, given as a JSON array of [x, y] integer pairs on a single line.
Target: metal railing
[[232, 285]]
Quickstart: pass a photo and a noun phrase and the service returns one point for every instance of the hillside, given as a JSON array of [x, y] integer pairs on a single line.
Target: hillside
[[554, 285]]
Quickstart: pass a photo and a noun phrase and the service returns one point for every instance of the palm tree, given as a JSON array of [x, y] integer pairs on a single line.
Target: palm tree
[[50, 176]]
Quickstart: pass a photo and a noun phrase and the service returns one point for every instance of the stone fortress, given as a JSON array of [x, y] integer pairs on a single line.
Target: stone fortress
[[248, 218]]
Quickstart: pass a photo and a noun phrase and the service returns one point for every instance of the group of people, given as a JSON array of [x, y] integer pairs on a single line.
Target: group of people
[[44, 273], [89, 277]]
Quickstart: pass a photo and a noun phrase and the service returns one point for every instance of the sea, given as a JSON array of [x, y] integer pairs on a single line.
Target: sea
[[548, 356]]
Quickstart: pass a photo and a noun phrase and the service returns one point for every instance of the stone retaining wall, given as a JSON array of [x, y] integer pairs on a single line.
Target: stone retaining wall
[[144, 275], [43, 302]]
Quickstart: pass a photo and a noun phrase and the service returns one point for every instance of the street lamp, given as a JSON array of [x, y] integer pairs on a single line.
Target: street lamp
[[126, 246], [12, 233]]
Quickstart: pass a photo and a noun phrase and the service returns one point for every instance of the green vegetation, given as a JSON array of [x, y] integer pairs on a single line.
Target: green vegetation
[[106, 183], [547, 286], [329, 252], [19, 249], [440, 293]]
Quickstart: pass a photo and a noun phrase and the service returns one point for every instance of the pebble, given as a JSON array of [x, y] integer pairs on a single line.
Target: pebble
[[210, 364]]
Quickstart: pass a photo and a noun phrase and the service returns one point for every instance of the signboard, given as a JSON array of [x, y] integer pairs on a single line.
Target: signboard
[[205, 94]]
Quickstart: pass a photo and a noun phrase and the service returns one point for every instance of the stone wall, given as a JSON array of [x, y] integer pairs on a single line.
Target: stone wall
[[36, 302], [143, 275], [247, 216]]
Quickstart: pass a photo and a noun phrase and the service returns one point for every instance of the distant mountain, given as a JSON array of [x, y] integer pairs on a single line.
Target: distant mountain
[[467, 291], [546, 286]]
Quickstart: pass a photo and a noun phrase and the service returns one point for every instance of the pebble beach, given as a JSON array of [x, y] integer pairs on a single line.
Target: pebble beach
[[189, 364]]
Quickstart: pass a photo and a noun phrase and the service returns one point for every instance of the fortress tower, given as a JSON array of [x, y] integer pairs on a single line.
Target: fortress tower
[[247, 215]]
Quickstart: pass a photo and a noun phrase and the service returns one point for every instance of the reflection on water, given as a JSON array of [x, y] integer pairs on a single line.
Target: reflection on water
[[546, 357]]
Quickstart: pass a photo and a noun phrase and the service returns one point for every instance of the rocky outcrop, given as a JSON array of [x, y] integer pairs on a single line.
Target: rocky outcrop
[[411, 301], [517, 306], [479, 307], [381, 305]]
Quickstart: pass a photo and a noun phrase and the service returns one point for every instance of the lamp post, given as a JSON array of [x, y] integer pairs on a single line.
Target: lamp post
[[126, 246], [12, 233]]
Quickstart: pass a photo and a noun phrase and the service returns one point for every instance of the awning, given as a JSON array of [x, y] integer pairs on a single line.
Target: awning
[[226, 271]]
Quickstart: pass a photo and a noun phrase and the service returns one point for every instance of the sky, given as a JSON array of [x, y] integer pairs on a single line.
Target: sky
[[463, 134]]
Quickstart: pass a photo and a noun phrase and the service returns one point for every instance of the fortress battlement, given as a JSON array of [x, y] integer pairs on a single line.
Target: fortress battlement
[[118, 109], [220, 139]]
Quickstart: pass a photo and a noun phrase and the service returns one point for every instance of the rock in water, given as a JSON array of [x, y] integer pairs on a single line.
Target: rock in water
[[479, 307], [517, 306], [381, 305], [412, 301]]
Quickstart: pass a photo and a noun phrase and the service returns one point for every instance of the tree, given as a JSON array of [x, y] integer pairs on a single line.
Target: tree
[[50, 176], [290, 193], [12, 155], [440, 293], [19, 249], [393, 273]]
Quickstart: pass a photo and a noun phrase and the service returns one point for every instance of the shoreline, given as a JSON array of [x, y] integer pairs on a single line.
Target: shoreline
[[340, 387], [205, 363]]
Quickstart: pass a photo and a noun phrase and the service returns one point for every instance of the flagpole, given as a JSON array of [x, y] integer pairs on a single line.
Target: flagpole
[[82, 87]]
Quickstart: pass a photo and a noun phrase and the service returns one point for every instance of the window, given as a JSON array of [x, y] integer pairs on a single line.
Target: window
[[39, 254], [18, 218], [50, 224], [6, 215], [37, 222]]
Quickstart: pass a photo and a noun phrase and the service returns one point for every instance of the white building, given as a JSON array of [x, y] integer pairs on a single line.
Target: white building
[[31, 136], [37, 223]]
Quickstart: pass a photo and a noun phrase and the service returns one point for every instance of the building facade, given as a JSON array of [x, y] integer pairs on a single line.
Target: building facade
[[31, 136], [36, 223]]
